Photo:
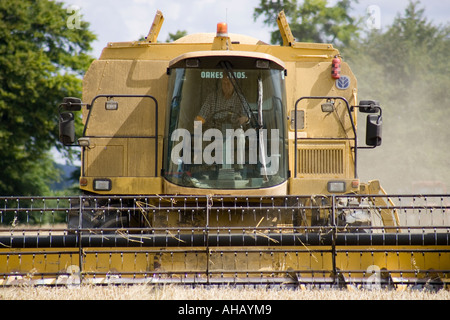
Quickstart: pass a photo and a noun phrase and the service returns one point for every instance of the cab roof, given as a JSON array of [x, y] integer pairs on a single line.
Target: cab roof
[[238, 59], [209, 38]]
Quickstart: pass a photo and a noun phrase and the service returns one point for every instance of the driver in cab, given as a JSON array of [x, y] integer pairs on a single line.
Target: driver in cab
[[222, 107]]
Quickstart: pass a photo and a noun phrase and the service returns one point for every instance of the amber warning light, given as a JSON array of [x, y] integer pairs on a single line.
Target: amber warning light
[[222, 29]]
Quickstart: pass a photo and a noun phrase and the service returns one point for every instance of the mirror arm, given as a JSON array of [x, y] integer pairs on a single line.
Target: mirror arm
[[369, 106]]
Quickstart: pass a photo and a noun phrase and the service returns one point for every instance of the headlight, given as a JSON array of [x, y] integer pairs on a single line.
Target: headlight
[[102, 185], [111, 105], [336, 186]]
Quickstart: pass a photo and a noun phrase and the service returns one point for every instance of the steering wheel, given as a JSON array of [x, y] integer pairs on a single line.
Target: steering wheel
[[220, 117]]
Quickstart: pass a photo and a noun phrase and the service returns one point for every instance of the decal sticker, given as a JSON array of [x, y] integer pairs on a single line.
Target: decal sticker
[[343, 83]]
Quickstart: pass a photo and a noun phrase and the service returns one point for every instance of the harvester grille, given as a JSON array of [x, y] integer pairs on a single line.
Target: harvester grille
[[321, 161]]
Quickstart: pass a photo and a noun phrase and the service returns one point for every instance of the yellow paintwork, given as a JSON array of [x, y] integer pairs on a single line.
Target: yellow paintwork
[[156, 27], [285, 30], [139, 67], [354, 262]]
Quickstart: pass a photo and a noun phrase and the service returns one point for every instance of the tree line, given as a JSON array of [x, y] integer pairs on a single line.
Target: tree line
[[404, 66]]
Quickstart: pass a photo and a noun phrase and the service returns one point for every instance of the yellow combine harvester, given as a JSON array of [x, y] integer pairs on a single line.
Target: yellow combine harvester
[[221, 159], [146, 133], [158, 121]]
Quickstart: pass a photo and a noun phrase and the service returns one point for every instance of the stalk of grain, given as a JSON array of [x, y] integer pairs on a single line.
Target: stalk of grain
[[143, 292]]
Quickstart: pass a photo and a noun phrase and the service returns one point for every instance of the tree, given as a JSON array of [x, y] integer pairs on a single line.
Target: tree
[[312, 21], [406, 68], [42, 58], [177, 35]]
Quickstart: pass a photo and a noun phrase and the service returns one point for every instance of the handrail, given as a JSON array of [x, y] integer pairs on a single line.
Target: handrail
[[351, 120], [91, 105]]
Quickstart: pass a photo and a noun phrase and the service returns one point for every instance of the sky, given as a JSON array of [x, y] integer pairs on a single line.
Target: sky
[[118, 20]]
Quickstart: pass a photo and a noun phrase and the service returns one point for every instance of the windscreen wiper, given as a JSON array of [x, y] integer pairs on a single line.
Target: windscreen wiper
[[245, 105], [260, 103]]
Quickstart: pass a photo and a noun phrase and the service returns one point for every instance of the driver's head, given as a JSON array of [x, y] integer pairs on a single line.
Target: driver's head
[[227, 86]]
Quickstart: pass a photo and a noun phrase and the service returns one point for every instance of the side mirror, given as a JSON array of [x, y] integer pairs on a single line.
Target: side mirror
[[66, 128], [374, 122], [369, 106], [373, 130], [71, 104]]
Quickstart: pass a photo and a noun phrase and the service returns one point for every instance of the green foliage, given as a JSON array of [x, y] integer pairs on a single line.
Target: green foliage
[[177, 35], [23, 212], [172, 36], [405, 66], [41, 61], [407, 69], [312, 20]]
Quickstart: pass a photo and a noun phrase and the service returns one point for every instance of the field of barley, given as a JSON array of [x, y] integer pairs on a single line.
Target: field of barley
[[144, 292]]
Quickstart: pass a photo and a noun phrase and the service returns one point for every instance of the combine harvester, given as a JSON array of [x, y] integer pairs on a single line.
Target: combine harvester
[[221, 160]]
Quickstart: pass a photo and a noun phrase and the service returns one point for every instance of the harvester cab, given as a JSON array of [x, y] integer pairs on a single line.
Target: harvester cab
[[223, 114], [226, 125], [220, 114]]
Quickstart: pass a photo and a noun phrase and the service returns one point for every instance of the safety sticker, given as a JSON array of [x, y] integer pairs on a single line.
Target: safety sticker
[[343, 82]]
